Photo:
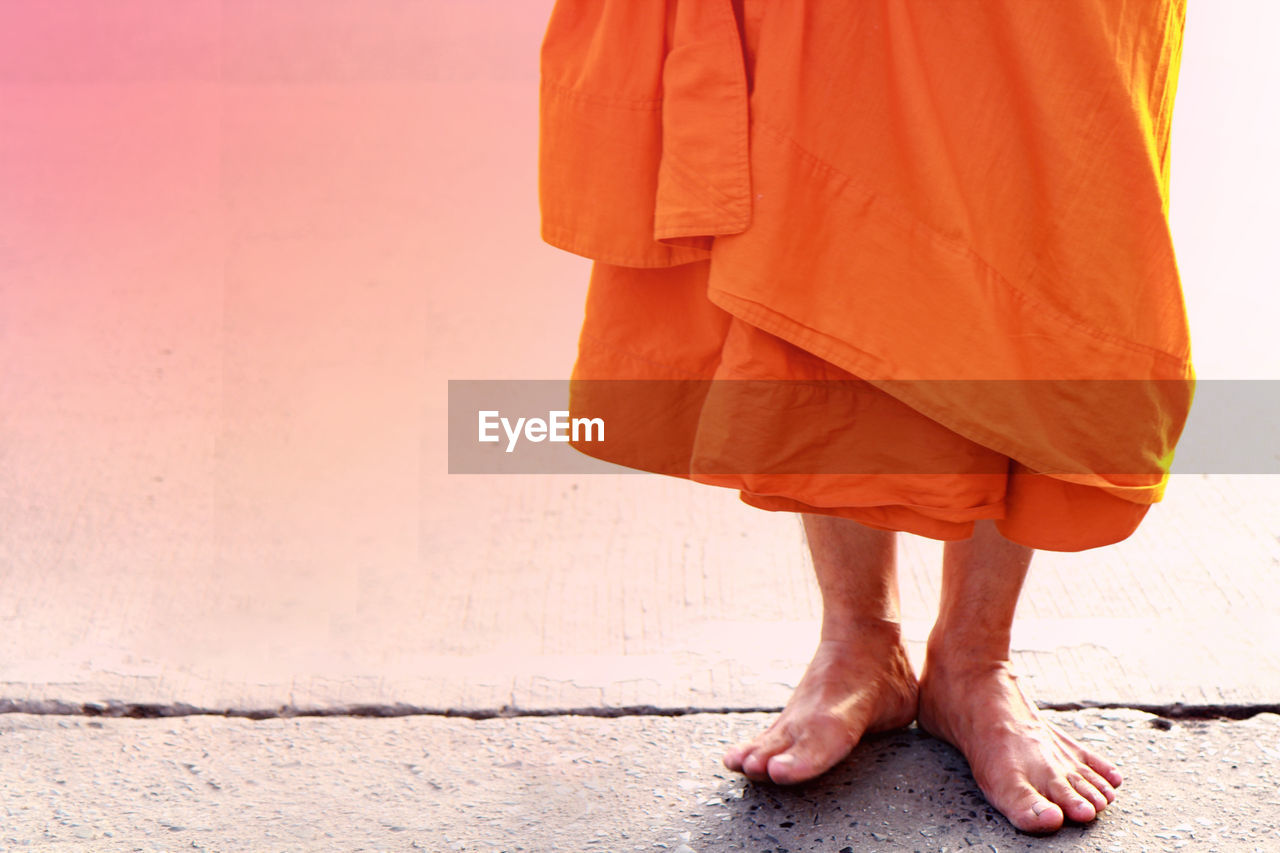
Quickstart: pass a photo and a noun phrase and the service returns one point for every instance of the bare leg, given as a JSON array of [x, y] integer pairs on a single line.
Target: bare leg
[[1027, 769], [860, 679]]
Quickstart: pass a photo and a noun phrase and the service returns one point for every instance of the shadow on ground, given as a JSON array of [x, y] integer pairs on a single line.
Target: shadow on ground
[[898, 791]]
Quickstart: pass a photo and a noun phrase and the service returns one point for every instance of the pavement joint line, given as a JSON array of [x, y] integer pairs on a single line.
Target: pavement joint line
[[152, 710]]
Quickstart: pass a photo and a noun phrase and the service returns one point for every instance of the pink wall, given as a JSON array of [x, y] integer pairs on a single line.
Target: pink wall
[[252, 240]]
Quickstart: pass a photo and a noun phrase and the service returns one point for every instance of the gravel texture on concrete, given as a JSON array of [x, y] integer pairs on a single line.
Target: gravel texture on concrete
[[567, 783]]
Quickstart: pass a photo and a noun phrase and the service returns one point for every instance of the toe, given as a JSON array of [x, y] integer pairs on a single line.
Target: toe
[[754, 767], [755, 763], [1102, 785], [802, 763], [1111, 774], [785, 769], [1073, 805], [1086, 789], [733, 756], [817, 750], [1096, 762], [1103, 768], [1028, 810]]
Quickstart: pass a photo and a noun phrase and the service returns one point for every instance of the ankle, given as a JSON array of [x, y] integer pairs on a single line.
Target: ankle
[[954, 653], [860, 629]]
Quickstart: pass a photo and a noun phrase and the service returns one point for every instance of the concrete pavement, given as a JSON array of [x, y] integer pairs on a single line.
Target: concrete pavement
[[565, 783]]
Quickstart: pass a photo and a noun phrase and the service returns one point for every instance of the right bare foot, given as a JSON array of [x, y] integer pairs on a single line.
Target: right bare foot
[[856, 684], [1027, 768]]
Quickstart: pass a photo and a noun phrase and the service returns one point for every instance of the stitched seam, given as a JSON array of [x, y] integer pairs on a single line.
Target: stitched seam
[[904, 219], [722, 201], [560, 238], [998, 505], [610, 345], [559, 90]]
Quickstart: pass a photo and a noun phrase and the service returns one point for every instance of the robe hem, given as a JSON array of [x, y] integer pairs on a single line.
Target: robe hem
[[849, 358]]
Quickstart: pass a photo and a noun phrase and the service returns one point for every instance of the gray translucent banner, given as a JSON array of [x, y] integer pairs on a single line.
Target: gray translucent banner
[[526, 427]]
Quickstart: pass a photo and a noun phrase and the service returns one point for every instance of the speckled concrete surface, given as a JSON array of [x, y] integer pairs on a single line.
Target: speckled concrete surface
[[588, 783]]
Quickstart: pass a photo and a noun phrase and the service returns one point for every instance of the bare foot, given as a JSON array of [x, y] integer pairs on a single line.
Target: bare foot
[[854, 685], [1028, 769]]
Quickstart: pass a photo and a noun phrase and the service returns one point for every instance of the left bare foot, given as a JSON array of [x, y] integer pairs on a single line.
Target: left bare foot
[[1028, 769], [853, 686]]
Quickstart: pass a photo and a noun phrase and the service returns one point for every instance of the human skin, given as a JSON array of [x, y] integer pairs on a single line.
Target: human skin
[[860, 680]]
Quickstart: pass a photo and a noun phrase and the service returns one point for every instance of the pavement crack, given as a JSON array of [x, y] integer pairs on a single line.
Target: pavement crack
[[1176, 710], [151, 710]]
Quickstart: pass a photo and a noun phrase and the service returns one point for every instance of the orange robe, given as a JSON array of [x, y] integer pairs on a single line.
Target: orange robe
[[899, 261]]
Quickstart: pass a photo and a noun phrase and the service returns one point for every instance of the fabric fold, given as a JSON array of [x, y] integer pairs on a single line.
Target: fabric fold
[[643, 148], [961, 206]]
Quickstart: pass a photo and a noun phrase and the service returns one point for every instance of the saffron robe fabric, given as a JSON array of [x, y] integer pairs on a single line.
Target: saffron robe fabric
[[930, 232]]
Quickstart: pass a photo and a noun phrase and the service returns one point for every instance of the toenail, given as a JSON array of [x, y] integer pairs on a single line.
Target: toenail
[[1039, 808], [785, 758]]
